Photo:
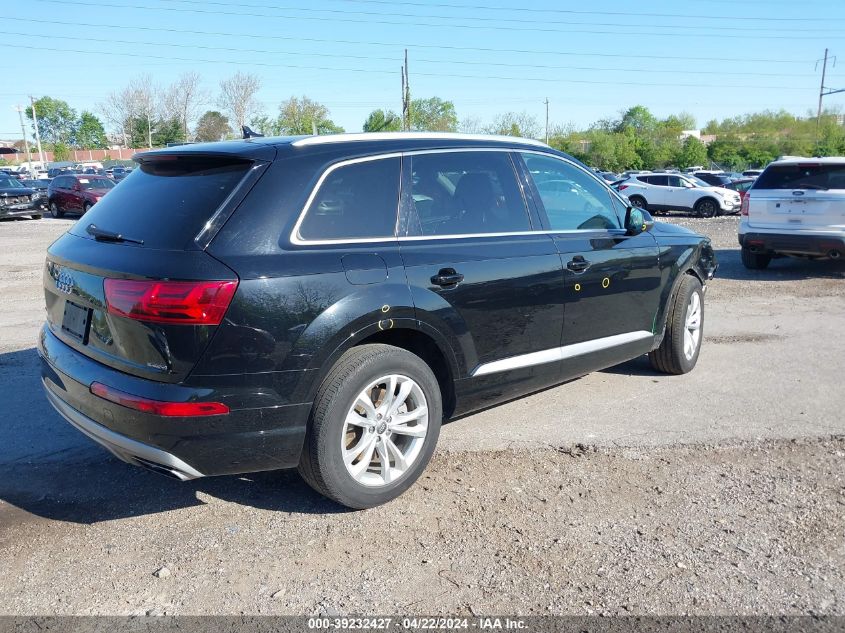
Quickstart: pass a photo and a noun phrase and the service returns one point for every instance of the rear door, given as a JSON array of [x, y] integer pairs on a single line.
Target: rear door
[[808, 195], [476, 265], [612, 280], [658, 194]]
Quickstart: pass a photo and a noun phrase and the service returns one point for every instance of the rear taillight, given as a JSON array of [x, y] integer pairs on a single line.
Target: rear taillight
[[157, 407], [622, 187], [186, 302], [743, 210]]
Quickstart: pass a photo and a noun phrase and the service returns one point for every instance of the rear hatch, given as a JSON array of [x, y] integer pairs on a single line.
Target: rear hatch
[[799, 196], [130, 284]]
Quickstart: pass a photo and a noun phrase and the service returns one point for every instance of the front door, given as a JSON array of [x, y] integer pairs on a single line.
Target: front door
[[479, 270], [612, 280]]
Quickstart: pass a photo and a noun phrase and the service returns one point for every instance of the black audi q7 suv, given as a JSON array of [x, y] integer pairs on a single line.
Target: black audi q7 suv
[[326, 302]]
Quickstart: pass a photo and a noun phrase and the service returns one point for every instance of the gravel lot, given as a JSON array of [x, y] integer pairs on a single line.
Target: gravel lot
[[624, 492]]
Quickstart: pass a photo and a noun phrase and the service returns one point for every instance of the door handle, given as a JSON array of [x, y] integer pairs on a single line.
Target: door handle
[[447, 277], [578, 264]]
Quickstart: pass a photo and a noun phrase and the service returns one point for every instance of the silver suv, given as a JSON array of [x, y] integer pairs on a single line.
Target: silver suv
[[683, 192], [796, 207]]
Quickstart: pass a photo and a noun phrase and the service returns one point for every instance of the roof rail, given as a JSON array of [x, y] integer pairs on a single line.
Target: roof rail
[[411, 136]]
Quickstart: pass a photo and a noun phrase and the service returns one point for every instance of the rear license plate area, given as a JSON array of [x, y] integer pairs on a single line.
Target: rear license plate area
[[76, 320]]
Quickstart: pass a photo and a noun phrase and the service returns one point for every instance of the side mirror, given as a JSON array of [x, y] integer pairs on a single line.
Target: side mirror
[[636, 222]]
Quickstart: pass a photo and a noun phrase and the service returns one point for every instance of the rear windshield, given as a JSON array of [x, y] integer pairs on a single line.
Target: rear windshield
[[802, 176], [166, 202]]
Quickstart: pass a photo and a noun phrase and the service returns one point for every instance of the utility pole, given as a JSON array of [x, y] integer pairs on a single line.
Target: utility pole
[[547, 120], [406, 96], [23, 131], [37, 134], [823, 90]]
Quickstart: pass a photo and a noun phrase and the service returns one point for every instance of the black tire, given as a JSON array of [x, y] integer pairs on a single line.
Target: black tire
[[754, 261], [36, 216], [55, 211], [321, 463], [706, 208], [86, 207], [670, 358], [638, 202]]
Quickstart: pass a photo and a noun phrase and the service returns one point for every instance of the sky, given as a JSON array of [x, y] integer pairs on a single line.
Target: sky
[[711, 58]]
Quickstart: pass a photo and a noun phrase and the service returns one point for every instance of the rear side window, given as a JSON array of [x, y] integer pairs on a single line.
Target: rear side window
[[466, 193], [166, 202], [354, 201], [802, 176]]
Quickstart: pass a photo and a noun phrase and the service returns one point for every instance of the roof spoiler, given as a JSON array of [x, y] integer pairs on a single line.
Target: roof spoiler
[[248, 133]]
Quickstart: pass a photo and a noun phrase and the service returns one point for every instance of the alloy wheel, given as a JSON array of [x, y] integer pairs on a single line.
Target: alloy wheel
[[692, 326], [384, 430]]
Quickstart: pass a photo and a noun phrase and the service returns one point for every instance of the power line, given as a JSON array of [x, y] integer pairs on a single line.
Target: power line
[[241, 14], [375, 58], [400, 45], [602, 13], [479, 18], [252, 63]]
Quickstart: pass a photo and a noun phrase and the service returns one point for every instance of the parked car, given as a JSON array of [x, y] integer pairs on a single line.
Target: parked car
[[794, 208], [752, 173], [609, 176], [741, 186], [681, 192], [76, 193], [119, 173], [714, 178], [16, 199], [274, 302], [38, 185]]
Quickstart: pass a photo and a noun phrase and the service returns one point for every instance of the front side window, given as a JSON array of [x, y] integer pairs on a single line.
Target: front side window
[[355, 201], [465, 193], [572, 198]]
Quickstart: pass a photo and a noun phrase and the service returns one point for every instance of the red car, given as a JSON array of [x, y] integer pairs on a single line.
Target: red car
[[741, 186], [76, 193]]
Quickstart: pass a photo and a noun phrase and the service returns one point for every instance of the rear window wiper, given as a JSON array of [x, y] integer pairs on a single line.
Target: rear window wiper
[[102, 235]]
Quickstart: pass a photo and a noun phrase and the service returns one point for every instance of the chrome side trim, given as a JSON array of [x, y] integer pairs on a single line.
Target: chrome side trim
[[122, 447], [411, 136], [560, 353]]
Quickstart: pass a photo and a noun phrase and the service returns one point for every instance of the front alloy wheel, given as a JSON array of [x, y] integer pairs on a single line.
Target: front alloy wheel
[[692, 326], [681, 344]]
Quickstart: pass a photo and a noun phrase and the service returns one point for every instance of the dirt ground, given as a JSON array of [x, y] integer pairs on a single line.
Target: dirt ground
[[625, 492]]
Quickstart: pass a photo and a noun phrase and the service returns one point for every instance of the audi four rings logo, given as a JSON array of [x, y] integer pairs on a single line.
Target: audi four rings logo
[[64, 282]]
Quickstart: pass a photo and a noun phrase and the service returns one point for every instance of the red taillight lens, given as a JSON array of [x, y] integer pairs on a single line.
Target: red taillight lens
[[622, 187], [157, 407], [743, 209], [187, 302]]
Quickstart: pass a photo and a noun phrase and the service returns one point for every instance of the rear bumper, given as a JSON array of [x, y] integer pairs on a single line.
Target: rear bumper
[[250, 438], [818, 245]]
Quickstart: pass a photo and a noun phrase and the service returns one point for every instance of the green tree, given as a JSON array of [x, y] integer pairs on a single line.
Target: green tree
[[56, 120], [692, 152], [168, 131], [433, 115], [303, 116], [383, 121], [89, 132], [212, 126], [61, 152], [515, 124]]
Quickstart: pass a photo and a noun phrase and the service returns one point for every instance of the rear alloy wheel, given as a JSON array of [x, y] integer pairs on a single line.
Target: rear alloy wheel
[[638, 202], [86, 207], [706, 208], [374, 426], [55, 211], [678, 352], [754, 261]]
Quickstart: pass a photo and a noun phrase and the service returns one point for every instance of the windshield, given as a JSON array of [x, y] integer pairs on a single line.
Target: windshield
[[11, 183], [802, 176], [96, 183], [698, 182]]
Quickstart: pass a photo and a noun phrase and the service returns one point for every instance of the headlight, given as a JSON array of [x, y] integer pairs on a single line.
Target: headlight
[[37, 195]]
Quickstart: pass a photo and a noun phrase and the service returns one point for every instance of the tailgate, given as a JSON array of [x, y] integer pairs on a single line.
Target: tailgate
[[799, 196]]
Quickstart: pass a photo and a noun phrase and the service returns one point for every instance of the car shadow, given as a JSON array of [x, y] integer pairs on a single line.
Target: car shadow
[[639, 366], [780, 269], [50, 470]]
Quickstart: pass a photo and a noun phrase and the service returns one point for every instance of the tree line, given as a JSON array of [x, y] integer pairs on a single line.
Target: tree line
[[145, 114]]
